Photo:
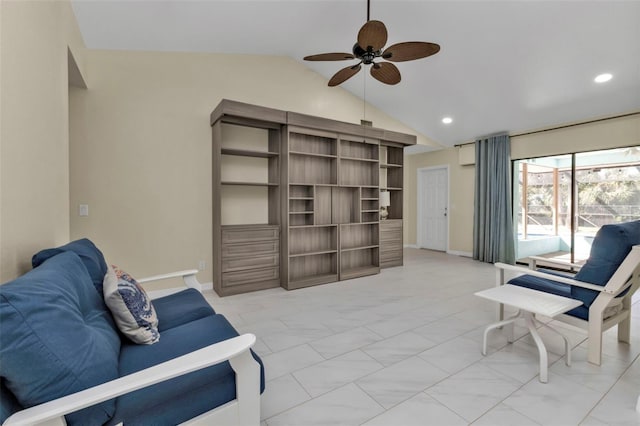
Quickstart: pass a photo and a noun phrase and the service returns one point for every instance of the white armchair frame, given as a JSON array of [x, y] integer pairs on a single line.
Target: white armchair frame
[[244, 410], [627, 276]]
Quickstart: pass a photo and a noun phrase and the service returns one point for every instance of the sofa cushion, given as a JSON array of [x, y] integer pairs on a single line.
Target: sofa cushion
[[57, 337], [176, 400], [131, 307], [180, 308], [609, 249], [92, 259], [8, 403]]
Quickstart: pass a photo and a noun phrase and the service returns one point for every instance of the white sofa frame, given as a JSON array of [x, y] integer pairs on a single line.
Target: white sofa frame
[[627, 276], [244, 410]]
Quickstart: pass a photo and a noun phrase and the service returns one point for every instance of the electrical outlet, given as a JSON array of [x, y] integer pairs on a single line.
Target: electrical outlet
[[202, 265], [83, 210]]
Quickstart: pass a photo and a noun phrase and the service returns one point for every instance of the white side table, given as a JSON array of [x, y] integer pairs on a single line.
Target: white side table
[[530, 302]]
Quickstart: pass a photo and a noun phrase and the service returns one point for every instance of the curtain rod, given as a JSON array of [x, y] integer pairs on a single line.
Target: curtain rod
[[560, 127]]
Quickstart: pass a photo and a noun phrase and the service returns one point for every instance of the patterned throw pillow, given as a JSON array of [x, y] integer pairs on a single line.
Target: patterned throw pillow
[[131, 307]]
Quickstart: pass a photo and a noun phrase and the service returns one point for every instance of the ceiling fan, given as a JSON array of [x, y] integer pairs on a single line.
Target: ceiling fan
[[371, 39]]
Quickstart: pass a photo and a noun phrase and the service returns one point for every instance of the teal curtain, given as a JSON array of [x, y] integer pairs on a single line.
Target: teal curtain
[[493, 239]]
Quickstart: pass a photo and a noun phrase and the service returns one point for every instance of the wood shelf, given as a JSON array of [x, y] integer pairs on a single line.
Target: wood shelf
[[248, 183], [312, 154], [369, 160], [331, 225], [358, 248], [303, 198], [389, 165], [313, 253], [248, 153], [390, 189], [314, 280], [300, 212], [360, 271]]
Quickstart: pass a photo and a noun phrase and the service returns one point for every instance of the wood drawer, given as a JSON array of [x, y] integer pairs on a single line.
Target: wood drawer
[[230, 279], [250, 262], [387, 236], [247, 234], [391, 231], [390, 224], [390, 258], [387, 246], [260, 248]]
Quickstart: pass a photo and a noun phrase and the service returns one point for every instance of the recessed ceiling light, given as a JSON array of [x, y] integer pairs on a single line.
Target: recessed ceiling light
[[447, 120], [602, 78]]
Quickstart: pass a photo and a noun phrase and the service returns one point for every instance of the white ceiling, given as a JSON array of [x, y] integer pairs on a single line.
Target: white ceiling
[[504, 65]]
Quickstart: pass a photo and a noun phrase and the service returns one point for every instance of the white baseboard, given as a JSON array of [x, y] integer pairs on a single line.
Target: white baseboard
[[154, 294], [460, 253], [415, 246]]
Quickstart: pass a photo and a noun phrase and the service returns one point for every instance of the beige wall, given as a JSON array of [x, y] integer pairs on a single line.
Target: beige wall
[[613, 133], [461, 181], [34, 130], [141, 146]]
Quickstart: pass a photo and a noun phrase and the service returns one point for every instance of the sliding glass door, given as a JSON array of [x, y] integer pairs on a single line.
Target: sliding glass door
[[561, 201]]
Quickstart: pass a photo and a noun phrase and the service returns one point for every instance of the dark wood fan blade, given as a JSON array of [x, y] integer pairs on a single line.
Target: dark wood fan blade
[[329, 57], [386, 72], [344, 74], [372, 34], [409, 51]]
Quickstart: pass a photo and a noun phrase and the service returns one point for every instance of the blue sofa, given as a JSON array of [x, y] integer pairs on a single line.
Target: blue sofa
[[57, 337], [604, 284]]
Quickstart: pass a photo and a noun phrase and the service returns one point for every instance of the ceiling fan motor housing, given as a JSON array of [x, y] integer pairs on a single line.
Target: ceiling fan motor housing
[[367, 56]]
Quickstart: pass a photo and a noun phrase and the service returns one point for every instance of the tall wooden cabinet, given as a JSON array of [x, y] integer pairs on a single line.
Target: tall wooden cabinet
[[296, 199]]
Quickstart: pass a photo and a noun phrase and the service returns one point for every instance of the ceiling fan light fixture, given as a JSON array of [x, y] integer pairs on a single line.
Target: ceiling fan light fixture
[[603, 78]]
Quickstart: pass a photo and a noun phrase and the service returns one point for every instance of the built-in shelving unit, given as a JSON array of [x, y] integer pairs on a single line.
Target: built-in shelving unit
[[391, 180], [297, 199]]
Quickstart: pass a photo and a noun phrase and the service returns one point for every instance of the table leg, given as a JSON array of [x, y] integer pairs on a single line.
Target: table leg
[[567, 346], [542, 350], [498, 325]]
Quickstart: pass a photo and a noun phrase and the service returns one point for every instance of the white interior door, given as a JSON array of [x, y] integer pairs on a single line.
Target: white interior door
[[433, 208]]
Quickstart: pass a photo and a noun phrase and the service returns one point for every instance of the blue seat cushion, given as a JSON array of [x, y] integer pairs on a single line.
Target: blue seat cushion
[[91, 256], [542, 284], [182, 398], [180, 308], [57, 337], [611, 245]]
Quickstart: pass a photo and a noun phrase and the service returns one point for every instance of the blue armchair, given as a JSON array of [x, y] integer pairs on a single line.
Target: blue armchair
[[605, 284]]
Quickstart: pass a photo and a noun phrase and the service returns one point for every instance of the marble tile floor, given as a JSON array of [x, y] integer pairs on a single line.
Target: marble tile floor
[[403, 348]]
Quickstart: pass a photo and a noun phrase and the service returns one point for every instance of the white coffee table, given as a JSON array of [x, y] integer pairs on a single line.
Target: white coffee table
[[530, 302]]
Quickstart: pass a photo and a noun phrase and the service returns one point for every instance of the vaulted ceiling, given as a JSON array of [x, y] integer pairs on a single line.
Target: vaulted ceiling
[[504, 65]]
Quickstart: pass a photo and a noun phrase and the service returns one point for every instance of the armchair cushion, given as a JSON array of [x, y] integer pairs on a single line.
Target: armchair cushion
[[57, 337], [609, 249], [131, 307], [184, 397], [90, 255], [542, 284], [181, 308]]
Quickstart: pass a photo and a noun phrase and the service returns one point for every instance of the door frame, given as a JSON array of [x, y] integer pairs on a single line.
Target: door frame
[[421, 176]]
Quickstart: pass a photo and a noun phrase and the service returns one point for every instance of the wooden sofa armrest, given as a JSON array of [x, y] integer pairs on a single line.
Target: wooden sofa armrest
[[235, 350], [189, 277], [504, 267], [535, 259]]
